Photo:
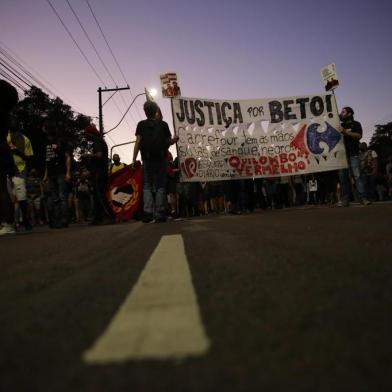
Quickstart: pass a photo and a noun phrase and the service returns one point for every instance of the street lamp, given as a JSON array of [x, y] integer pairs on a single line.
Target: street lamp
[[150, 94]]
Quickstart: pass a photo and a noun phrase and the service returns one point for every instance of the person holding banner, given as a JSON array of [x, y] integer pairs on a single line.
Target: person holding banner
[[352, 133]]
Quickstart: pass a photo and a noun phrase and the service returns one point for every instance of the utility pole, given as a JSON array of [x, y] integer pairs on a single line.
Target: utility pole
[[104, 90]]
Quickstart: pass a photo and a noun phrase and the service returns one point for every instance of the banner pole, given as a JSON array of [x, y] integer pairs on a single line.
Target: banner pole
[[336, 104], [174, 124]]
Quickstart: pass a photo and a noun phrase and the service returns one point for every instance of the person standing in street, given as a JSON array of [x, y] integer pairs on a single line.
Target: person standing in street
[[369, 168], [96, 159], [352, 133], [22, 152], [58, 159], [153, 139], [8, 99]]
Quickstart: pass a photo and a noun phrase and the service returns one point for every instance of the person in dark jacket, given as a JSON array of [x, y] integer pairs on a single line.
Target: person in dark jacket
[[352, 133], [153, 139]]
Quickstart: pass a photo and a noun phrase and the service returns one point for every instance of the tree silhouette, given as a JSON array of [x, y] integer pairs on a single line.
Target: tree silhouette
[[36, 110], [381, 142]]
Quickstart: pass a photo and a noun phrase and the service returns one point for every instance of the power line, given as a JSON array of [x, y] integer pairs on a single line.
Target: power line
[[107, 43], [25, 68], [122, 118], [77, 45], [11, 80], [81, 51], [111, 51], [91, 42], [10, 69], [99, 57], [36, 81], [30, 79]]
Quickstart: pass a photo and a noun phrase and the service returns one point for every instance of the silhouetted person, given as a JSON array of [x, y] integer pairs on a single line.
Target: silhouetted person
[[153, 138], [22, 152], [8, 99], [352, 133], [96, 160], [58, 159], [116, 165]]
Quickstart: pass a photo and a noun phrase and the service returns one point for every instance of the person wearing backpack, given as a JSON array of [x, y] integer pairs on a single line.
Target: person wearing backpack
[[153, 139]]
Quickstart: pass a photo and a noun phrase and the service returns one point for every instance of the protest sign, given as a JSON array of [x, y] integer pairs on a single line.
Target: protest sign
[[220, 140], [169, 85], [124, 192], [330, 77]]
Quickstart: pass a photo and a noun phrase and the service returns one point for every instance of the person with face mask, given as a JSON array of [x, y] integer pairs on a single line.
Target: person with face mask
[[352, 134], [116, 165]]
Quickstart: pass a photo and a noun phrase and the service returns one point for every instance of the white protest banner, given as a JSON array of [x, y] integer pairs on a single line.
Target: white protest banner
[[221, 140]]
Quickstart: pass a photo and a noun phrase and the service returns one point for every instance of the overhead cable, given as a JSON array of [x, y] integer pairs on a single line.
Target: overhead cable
[[99, 57], [28, 70], [10, 69], [112, 53], [77, 45], [10, 79]]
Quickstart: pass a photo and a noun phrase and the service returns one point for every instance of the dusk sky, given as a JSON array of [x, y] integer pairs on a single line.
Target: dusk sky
[[219, 49]]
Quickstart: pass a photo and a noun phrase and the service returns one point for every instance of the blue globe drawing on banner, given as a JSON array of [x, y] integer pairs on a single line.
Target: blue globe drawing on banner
[[330, 137]]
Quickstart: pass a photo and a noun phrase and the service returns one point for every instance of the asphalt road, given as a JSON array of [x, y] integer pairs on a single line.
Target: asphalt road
[[297, 299]]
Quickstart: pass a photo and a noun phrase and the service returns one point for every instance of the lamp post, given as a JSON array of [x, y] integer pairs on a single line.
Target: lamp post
[[150, 94], [100, 91]]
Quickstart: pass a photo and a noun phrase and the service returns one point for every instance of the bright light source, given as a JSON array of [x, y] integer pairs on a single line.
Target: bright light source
[[153, 92]]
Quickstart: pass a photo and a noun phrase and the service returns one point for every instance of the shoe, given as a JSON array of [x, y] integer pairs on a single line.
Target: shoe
[[147, 218], [161, 219], [366, 202], [55, 225], [342, 204], [6, 229], [96, 222]]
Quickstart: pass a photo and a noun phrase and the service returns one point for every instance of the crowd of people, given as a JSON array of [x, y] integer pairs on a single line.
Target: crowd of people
[[73, 191], [362, 181], [67, 190], [244, 196]]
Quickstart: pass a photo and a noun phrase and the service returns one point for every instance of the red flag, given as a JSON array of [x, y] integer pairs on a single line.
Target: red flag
[[124, 192]]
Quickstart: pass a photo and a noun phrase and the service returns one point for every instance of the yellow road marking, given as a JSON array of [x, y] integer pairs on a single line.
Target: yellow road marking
[[160, 318]]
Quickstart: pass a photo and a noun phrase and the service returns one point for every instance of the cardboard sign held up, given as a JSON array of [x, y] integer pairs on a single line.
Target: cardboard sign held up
[[169, 85], [330, 77]]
